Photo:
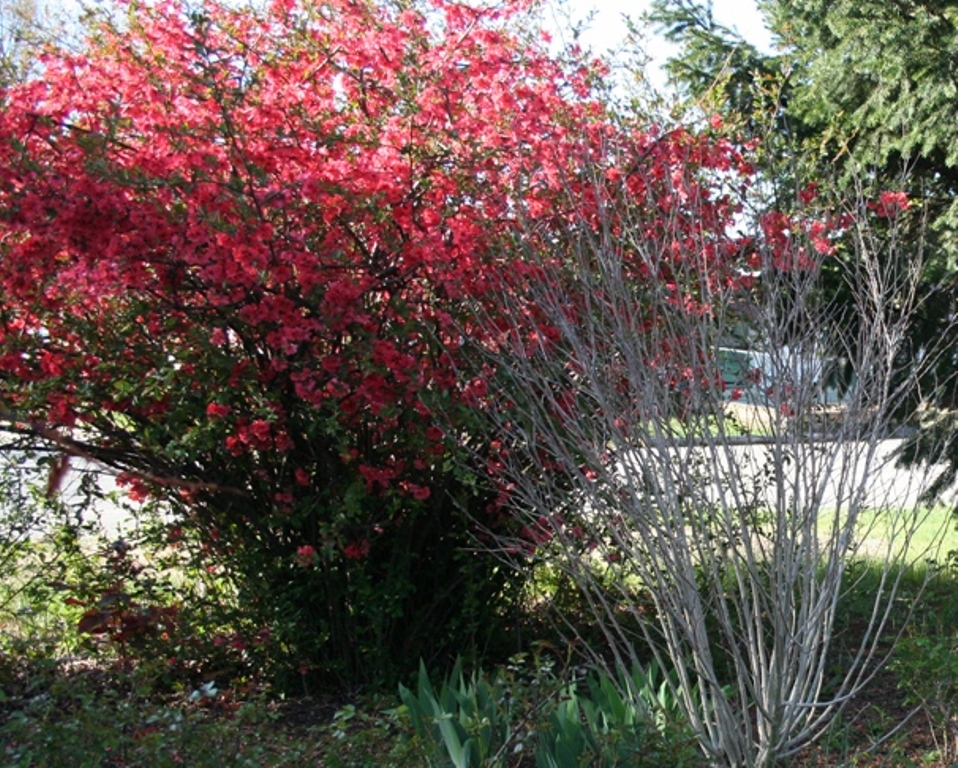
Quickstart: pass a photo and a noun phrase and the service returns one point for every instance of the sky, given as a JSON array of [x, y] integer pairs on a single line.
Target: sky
[[607, 29]]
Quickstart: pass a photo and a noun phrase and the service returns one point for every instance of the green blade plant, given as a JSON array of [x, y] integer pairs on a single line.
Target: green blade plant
[[599, 721], [468, 721]]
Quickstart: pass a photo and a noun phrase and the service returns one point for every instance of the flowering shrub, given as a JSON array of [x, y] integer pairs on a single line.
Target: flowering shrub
[[227, 241], [233, 244]]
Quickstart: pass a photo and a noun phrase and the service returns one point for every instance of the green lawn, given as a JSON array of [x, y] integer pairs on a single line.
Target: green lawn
[[933, 533]]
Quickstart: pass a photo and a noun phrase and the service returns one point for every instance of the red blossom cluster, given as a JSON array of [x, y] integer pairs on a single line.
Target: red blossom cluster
[[890, 204], [223, 228]]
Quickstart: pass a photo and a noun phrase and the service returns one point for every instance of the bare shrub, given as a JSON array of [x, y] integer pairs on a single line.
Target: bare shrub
[[723, 554]]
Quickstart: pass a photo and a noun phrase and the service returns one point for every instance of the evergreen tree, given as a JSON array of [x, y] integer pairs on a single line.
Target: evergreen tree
[[857, 92]]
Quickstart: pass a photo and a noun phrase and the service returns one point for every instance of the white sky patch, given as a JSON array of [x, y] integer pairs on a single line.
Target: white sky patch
[[606, 31]]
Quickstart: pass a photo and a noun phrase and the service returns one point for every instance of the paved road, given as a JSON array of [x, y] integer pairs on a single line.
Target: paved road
[[851, 469]]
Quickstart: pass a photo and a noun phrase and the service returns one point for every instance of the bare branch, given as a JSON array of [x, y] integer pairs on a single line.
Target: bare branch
[[725, 553]]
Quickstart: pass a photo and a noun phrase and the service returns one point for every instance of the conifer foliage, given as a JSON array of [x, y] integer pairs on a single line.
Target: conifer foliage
[[856, 95]]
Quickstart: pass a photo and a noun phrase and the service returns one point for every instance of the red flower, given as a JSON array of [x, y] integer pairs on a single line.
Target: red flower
[[305, 556], [356, 550], [217, 410], [51, 364], [808, 194], [890, 204], [419, 492], [234, 445], [136, 489], [260, 429]]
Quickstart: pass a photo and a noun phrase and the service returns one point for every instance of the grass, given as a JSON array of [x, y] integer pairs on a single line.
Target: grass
[[927, 534], [56, 714], [90, 727], [65, 701], [53, 716], [98, 713], [739, 420]]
